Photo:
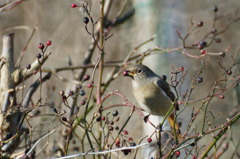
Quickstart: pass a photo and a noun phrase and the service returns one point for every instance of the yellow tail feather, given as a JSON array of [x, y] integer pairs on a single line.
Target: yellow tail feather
[[174, 127]]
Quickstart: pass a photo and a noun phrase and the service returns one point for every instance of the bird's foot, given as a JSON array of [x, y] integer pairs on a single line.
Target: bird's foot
[[146, 118], [160, 127]]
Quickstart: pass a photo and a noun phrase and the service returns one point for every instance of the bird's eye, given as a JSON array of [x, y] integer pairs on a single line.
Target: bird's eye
[[139, 71]]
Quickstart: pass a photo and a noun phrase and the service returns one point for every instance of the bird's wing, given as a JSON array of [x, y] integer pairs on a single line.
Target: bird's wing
[[165, 87]]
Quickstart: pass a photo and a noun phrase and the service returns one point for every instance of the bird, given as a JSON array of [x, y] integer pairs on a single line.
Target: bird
[[152, 93]]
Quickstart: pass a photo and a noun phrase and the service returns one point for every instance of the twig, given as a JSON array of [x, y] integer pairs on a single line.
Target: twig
[[10, 5], [20, 74], [23, 51], [33, 147], [33, 89], [104, 152]]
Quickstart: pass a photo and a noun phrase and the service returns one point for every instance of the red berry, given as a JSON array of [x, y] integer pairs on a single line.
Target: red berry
[[221, 96], [86, 77], [110, 128], [125, 132], [203, 52], [202, 44], [180, 102], [149, 140], [41, 46], [229, 72], [218, 40], [111, 122], [130, 139], [48, 43], [214, 30], [194, 157], [74, 5], [177, 154], [125, 73], [117, 143], [70, 93], [117, 119], [89, 85], [181, 69], [64, 118], [64, 97], [103, 118], [62, 93], [225, 146], [83, 102], [200, 24]]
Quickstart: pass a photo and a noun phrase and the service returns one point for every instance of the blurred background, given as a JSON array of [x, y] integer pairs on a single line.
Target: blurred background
[[57, 21]]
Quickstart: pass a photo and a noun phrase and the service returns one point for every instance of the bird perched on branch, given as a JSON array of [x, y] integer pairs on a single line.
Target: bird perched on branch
[[152, 93]]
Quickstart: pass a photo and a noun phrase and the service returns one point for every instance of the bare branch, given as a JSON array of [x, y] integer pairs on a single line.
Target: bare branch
[[22, 74], [33, 89]]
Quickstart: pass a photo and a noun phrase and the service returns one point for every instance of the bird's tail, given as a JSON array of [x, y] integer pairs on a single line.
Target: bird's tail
[[175, 127]]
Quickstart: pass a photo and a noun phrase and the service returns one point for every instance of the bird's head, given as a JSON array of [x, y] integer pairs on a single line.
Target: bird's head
[[138, 72]]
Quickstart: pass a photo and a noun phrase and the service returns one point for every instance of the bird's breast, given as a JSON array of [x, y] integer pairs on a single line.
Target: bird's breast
[[152, 98]]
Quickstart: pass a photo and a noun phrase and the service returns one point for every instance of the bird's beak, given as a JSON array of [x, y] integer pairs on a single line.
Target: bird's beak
[[128, 73]]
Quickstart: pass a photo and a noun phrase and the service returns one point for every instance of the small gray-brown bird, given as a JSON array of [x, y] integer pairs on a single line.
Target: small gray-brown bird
[[152, 92]]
